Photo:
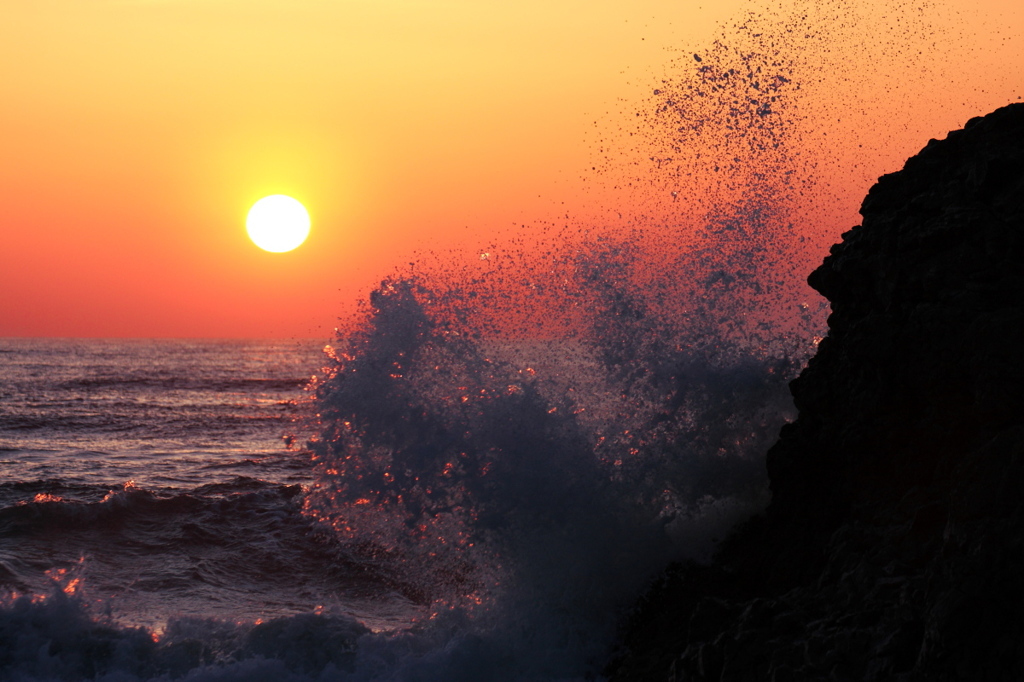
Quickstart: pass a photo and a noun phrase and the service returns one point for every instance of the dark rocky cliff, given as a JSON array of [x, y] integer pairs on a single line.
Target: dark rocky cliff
[[893, 548]]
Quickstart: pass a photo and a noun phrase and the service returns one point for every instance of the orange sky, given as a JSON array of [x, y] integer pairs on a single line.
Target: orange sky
[[135, 134]]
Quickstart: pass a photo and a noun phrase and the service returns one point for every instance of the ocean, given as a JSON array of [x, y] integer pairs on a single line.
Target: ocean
[[425, 508], [153, 476]]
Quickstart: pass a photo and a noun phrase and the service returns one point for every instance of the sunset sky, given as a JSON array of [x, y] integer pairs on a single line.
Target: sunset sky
[[135, 134]]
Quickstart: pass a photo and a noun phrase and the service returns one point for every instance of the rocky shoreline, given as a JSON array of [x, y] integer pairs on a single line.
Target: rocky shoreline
[[893, 548]]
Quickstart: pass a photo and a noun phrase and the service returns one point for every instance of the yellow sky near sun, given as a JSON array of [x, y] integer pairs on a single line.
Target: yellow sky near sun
[[134, 135]]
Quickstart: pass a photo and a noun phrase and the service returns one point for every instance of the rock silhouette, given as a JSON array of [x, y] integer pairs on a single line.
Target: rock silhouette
[[893, 548]]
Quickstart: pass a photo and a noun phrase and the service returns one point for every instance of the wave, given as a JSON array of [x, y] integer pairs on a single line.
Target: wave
[[185, 383], [241, 548], [528, 436], [60, 639]]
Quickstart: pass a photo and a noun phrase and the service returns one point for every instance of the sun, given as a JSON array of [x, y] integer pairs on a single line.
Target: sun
[[277, 223]]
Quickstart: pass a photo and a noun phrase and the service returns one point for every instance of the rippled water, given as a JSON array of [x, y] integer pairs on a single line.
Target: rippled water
[[163, 413], [155, 471]]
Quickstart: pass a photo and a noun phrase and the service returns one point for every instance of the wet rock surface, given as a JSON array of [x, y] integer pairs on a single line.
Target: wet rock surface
[[893, 548]]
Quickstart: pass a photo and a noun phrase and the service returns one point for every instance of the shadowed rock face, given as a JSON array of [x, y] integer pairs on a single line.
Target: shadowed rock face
[[893, 547]]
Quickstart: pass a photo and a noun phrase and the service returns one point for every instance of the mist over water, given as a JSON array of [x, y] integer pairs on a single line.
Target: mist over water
[[500, 451], [531, 497]]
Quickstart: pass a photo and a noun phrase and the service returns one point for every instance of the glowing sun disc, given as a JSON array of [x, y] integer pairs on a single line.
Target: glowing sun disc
[[277, 223]]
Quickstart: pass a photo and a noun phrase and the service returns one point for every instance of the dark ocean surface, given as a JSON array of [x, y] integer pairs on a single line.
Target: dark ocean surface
[[155, 474]]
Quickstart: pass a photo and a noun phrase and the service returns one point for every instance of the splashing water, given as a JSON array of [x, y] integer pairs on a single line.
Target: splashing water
[[521, 443], [534, 507]]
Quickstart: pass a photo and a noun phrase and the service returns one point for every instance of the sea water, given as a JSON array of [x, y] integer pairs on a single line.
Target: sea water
[[152, 476], [456, 512]]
